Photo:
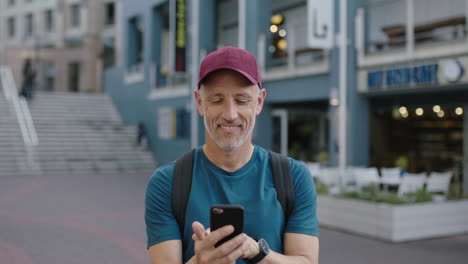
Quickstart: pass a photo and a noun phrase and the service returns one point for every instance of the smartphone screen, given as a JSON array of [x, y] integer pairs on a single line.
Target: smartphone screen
[[222, 215]]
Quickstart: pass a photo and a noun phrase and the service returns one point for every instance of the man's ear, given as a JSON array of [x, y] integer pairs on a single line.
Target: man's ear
[[260, 101], [198, 99]]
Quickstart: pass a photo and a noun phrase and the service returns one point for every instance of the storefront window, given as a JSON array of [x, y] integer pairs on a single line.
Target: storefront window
[[430, 137]]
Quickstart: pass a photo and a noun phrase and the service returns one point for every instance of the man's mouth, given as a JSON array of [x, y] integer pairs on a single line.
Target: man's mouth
[[229, 127]]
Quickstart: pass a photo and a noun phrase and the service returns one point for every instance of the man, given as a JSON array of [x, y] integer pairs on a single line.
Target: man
[[141, 134], [229, 169], [29, 75]]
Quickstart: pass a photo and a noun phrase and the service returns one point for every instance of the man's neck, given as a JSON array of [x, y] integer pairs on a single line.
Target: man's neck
[[229, 160]]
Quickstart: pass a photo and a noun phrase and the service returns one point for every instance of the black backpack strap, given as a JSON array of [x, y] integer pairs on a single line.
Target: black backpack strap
[[181, 186], [283, 181]]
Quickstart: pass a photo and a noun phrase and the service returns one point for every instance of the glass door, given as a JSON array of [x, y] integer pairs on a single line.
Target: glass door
[[280, 131]]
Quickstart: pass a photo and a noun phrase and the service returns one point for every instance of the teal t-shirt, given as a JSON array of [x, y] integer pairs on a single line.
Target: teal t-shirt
[[251, 186]]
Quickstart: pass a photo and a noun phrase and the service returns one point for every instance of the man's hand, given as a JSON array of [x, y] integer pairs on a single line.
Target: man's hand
[[240, 246]]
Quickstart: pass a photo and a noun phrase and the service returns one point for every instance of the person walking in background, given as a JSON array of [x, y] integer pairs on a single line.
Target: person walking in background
[[141, 135], [29, 76], [230, 169]]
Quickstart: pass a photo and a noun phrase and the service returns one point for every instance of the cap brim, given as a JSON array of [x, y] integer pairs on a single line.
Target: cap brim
[[249, 77]]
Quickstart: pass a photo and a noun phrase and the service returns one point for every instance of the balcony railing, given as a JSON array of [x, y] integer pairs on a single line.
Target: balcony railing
[[391, 25], [161, 78], [404, 29], [381, 19]]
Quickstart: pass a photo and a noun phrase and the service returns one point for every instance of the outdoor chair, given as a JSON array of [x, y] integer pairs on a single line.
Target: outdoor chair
[[439, 182], [349, 178], [412, 182], [365, 177], [390, 176], [330, 176]]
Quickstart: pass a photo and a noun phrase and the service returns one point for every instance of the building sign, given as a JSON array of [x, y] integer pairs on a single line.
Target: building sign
[[181, 35], [320, 24], [453, 71], [403, 77]]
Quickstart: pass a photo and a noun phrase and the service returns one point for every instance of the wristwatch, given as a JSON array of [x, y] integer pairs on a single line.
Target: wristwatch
[[264, 251]]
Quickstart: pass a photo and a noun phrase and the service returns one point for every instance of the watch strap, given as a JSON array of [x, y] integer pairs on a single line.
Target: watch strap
[[261, 254]]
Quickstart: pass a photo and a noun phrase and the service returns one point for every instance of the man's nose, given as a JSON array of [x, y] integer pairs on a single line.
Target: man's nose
[[230, 111]]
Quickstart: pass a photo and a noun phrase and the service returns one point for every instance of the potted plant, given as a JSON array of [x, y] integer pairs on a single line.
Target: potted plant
[[402, 163]]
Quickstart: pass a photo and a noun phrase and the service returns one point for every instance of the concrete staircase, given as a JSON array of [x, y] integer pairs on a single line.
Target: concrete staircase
[[82, 133], [13, 154]]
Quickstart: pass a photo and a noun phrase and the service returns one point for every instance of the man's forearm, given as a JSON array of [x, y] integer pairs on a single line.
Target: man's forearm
[[277, 258]]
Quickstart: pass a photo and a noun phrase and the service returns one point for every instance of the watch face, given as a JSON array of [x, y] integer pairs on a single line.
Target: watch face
[[264, 246]]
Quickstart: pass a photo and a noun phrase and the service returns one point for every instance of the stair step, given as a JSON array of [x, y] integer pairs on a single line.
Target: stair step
[[78, 133]]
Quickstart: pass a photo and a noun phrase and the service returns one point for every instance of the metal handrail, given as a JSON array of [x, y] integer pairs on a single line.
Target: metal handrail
[[34, 140], [23, 115]]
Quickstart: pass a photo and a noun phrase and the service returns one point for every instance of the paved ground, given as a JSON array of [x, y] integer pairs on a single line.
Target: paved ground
[[99, 219]]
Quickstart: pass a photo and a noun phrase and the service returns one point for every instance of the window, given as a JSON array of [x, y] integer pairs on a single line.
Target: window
[[385, 25], [161, 44], [29, 25], [74, 72], [75, 15], [49, 75], [108, 52], [11, 27], [228, 27], [110, 14], [435, 21], [288, 30], [135, 41], [49, 20], [173, 123]]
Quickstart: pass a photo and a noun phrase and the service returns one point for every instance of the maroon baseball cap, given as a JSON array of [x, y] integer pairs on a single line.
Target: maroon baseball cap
[[231, 58]]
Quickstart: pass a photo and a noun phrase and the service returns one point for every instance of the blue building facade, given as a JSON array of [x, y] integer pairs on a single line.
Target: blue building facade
[[392, 75]]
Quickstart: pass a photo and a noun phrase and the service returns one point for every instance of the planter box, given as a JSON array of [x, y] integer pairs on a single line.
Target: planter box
[[395, 223]]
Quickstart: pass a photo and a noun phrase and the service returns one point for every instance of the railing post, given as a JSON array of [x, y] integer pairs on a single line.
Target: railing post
[[291, 48], [466, 24], [409, 28], [152, 75], [242, 23], [261, 52], [359, 29], [195, 54], [172, 52], [465, 149]]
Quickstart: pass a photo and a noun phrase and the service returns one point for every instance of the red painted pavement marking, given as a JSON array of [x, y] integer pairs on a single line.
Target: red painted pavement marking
[[11, 254], [459, 237], [30, 187], [136, 249]]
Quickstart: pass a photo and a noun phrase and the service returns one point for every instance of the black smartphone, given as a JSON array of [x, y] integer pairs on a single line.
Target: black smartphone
[[227, 214]]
